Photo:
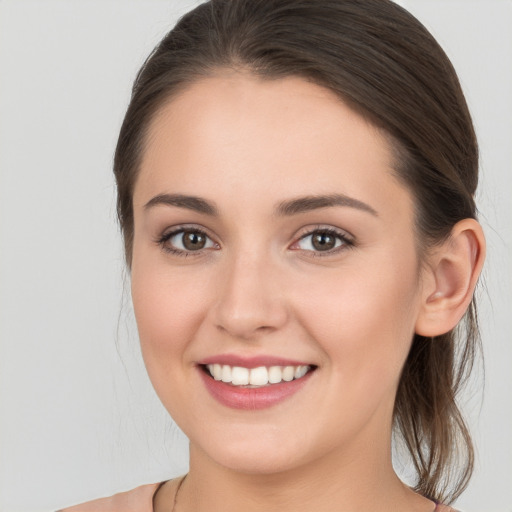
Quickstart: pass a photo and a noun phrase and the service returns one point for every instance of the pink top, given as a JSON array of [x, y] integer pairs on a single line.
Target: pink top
[[140, 499]]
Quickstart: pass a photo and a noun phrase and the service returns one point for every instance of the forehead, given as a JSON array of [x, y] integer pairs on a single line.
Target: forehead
[[241, 137]]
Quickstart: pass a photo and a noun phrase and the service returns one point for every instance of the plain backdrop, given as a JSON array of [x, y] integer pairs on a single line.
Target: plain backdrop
[[78, 417]]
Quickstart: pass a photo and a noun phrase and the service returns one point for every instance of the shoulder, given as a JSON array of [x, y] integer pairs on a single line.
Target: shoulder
[[139, 499], [445, 508]]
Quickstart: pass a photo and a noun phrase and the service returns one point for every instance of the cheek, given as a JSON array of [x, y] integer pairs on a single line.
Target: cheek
[[169, 308], [363, 315]]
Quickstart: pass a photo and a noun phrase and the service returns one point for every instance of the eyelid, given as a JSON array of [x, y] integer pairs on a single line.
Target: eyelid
[[169, 233], [343, 233], [348, 240]]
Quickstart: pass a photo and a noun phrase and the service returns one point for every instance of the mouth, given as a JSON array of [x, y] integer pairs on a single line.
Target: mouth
[[254, 382], [259, 377]]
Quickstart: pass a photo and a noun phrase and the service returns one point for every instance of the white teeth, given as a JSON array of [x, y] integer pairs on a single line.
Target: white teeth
[[288, 373], [239, 376], [217, 371], [300, 371], [261, 376], [258, 376], [275, 374], [226, 373]]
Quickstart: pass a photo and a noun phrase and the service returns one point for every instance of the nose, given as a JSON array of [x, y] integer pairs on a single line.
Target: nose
[[250, 299]]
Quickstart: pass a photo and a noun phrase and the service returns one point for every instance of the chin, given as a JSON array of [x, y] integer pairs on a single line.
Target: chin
[[263, 455], [256, 465]]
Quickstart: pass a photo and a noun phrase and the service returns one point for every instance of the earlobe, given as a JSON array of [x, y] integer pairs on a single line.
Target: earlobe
[[453, 272]]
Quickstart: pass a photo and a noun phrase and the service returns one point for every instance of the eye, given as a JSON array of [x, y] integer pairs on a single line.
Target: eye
[[324, 240], [184, 241]]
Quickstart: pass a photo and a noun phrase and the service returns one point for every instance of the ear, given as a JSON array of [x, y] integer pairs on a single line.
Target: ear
[[450, 278]]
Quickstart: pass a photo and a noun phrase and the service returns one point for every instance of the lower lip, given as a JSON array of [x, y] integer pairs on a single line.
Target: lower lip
[[238, 397]]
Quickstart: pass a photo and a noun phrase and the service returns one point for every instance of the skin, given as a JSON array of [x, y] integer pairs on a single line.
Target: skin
[[259, 287]]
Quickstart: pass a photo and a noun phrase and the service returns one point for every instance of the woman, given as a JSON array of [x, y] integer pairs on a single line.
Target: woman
[[296, 187]]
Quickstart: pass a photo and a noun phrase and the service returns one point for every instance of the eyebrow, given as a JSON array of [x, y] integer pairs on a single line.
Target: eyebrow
[[181, 201], [308, 203], [283, 209]]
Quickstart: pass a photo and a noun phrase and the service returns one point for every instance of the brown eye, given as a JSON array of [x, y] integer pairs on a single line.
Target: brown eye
[[323, 241], [193, 241], [184, 241], [326, 241]]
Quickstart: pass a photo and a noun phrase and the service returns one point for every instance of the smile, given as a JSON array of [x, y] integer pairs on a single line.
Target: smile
[[256, 377], [253, 384]]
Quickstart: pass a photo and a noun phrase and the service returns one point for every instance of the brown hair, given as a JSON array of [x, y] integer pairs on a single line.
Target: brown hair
[[383, 62]]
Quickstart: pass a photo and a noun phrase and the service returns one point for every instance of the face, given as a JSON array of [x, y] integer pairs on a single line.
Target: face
[[270, 232]]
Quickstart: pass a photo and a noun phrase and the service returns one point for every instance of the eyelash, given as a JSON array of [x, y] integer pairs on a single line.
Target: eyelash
[[162, 241], [347, 241]]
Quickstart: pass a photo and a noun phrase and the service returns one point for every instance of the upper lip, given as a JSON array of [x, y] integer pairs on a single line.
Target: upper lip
[[251, 362]]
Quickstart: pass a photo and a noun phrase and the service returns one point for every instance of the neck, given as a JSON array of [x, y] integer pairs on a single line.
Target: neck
[[351, 482]]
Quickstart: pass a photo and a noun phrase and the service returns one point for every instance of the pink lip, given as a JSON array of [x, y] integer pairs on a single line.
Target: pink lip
[[251, 362], [237, 397]]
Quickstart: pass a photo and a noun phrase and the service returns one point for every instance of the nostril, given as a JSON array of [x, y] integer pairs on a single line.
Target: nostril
[[244, 330]]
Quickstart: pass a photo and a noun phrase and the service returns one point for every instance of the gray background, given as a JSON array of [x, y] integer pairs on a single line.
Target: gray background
[[78, 417]]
